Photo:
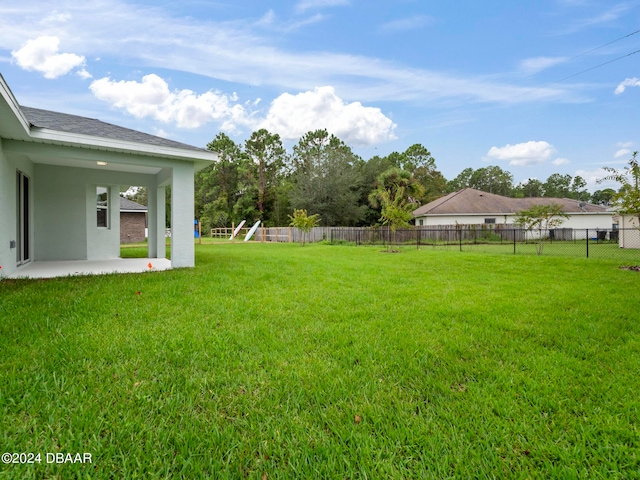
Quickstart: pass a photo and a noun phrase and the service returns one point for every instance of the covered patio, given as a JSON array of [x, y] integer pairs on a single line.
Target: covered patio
[[52, 269], [61, 177]]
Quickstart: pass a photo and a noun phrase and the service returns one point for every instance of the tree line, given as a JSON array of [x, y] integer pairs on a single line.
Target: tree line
[[260, 180]]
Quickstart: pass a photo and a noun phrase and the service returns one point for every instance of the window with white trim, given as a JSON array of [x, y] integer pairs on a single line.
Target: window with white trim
[[102, 205]]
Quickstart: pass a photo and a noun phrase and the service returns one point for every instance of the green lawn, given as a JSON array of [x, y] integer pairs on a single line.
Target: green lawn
[[281, 361]]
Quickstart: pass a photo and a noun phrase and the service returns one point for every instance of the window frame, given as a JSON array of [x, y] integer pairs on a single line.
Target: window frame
[[103, 207]]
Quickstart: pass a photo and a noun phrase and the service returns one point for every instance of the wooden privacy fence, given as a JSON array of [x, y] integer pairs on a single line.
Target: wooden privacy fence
[[276, 234], [290, 234], [225, 232]]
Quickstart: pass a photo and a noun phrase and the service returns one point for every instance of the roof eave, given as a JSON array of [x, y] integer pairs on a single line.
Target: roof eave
[[20, 126], [44, 135]]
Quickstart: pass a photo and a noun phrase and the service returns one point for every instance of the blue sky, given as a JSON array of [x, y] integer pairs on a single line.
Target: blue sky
[[477, 83]]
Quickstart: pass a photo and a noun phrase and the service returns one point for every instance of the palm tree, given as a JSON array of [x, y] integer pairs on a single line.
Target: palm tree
[[395, 194]]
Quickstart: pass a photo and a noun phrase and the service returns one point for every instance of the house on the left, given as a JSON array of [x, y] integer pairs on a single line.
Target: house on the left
[[60, 180]]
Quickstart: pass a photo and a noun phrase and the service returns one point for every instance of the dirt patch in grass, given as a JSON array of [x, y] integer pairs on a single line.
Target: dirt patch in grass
[[635, 268]]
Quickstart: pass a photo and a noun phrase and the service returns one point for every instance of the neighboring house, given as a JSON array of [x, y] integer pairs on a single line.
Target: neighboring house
[[475, 207], [133, 221], [60, 179]]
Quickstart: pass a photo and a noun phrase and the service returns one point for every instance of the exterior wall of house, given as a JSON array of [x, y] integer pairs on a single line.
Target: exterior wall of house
[[8, 208], [592, 221], [132, 226], [63, 218], [102, 242], [60, 214], [7, 214], [65, 212]]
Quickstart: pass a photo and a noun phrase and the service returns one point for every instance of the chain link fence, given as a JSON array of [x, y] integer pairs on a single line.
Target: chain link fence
[[589, 243]]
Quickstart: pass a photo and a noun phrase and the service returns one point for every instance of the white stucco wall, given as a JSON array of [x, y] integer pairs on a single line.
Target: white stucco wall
[[65, 212], [8, 167], [595, 221], [63, 208], [60, 214], [102, 243], [7, 213]]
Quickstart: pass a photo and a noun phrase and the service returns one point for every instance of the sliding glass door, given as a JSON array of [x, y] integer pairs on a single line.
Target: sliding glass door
[[22, 218]]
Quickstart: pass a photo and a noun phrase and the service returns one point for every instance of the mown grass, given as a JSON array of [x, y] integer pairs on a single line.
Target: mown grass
[[281, 361]]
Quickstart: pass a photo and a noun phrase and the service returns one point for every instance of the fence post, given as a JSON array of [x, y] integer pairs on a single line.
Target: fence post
[[587, 232], [514, 241], [460, 233]]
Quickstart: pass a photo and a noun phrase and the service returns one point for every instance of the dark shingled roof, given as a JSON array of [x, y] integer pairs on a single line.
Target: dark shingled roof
[[65, 122], [471, 201], [126, 204]]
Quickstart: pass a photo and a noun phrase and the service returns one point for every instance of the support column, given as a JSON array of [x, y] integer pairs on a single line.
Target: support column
[[182, 214], [156, 220]]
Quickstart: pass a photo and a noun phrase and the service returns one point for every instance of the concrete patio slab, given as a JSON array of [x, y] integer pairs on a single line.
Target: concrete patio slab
[[90, 267]]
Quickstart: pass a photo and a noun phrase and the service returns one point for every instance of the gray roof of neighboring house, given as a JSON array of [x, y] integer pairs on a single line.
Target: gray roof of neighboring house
[[128, 205], [470, 201], [65, 122]]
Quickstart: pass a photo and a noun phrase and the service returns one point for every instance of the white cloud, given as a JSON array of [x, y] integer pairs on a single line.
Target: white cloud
[[42, 55], [82, 73], [622, 152], [560, 161], [410, 23], [239, 51], [608, 16], [523, 154], [289, 115], [537, 64], [294, 115], [309, 4], [270, 20], [152, 98], [627, 82], [592, 177]]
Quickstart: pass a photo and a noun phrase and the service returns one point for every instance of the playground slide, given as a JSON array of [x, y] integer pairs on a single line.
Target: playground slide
[[252, 231], [233, 235]]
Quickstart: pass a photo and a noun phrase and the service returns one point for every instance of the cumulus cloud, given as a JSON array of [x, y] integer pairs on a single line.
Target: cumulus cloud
[[291, 116], [522, 154], [152, 98], [561, 161], [294, 115], [627, 82], [82, 73], [42, 55]]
